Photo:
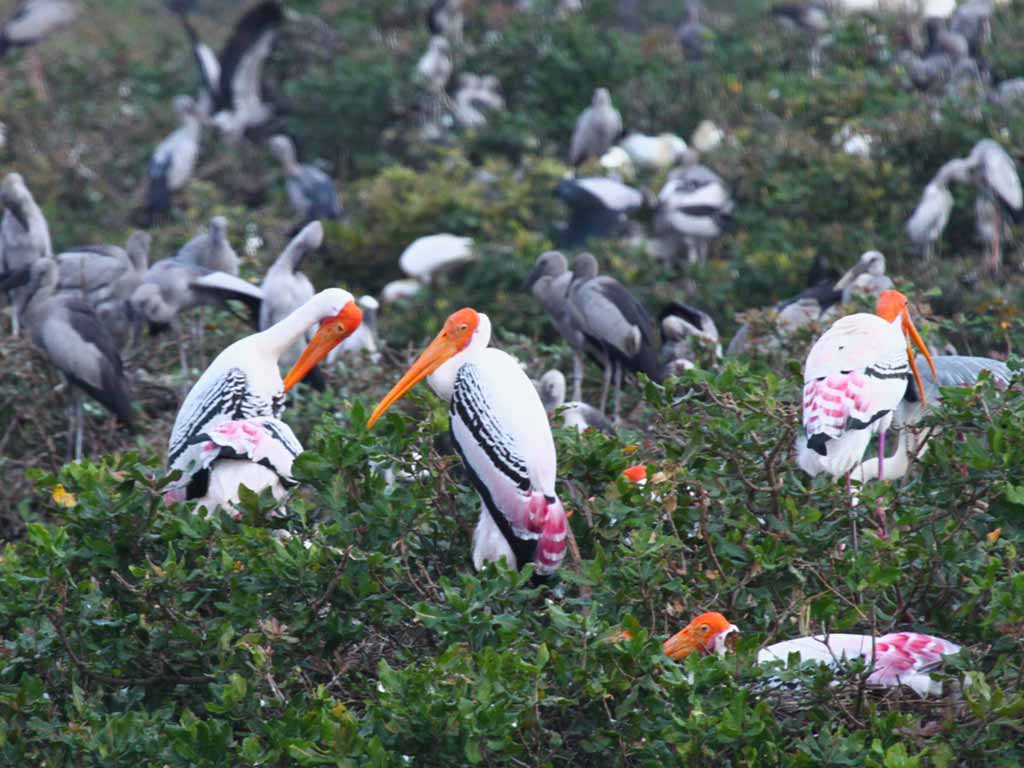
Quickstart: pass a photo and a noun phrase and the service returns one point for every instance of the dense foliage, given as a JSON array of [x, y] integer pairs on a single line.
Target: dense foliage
[[355, 631]]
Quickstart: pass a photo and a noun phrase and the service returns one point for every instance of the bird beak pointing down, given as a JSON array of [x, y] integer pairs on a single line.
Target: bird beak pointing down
[[330, 334], [441, 349], [911, 334]]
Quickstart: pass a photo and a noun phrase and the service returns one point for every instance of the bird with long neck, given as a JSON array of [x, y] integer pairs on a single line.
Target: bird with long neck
[[501, 431], [855, 377], [243, 384]]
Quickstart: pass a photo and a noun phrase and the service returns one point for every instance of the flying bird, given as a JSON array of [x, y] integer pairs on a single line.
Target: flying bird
[[174, 160], [311, 192], [24, 238], [596, 129], [229, 430], [501, 431]]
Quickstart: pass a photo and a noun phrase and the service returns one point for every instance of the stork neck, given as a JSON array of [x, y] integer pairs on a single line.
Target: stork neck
[[282, 335]]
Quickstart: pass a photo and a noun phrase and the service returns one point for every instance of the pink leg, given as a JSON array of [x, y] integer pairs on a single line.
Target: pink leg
[[879, 509], [853, 515]]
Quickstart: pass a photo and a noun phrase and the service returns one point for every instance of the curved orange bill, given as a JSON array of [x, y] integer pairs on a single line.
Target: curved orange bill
[[330, 334], [441, 349], [911, 334]]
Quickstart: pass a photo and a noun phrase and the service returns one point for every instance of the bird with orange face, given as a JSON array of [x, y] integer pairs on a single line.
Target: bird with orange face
[[501, 431]]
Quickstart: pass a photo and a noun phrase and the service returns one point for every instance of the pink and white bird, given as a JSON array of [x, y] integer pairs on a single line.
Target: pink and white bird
[[501, 431], [229, 430], [855, 377]]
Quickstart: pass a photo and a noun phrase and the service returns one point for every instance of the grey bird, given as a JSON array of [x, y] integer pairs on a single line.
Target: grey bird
[[693, 207], [34, 20], [683, 328], [575, 415], [172, 286], [973, 21], [615, 323], [68, 332], [995, 174], [311, 192], [596, 129], [953, 371], [105, 277], [928, 221], [174, 160], [549, 282], [24, 237], [285, 288], [694, 38], [211, 249], [811, 21]]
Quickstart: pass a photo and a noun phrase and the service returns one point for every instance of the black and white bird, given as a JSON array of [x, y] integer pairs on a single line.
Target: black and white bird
[[683, 328], [574, 414], [911, 443], [477, 97], [34, 20], [229, 431], [24, 238], [598, 207], [596, 129], [995, 174], [549, 282], [310, 191], [105, 277], [171, 286], [232, 82], [615, 323], [286, 288], [694, 38], [70, 335], [431, 255], [926, 225], [211, 249], [174, 160], [693, 206], [653, 153]]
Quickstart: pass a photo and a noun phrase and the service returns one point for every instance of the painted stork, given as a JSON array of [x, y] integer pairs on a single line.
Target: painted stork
[[311, 192], [694, 205], [653, 153], [400, 290], [232, 81], [501, 431], [364, 342], [426, 257], [285, 288], [211, 249], [926, 224], [953, 371], [229, 431], [681, 326], [68, 332], [549, 282], [706, 137], [615, 323], [174, 160], [575, 414], [596, 129], [24, 236], [598, 207], [855, 377], [895, 659], [995, 174], [106, 276]]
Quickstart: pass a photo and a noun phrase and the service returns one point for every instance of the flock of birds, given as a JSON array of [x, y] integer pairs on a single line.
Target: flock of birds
[[862, 377]]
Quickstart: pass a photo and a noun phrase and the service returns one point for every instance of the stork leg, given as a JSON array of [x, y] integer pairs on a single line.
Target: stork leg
[[607, 383], [14, 313], [853, 504], [186, 373], [996, 258], [577, 375], [79, 423], [880, 507], [618, 393]]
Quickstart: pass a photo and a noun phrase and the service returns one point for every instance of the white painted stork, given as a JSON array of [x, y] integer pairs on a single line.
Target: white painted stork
[[895, 659], [549, 282], [310, 191], [24, 236], [106, 276], [501, 431], [286, 288], [229, 430], [68, 332], [364, 342], [995, 174], [232, 81], [211, 249], [575, 414], [596, 129], [926, 224], [855, 377], [615, 323], [953, 371], [598, 207], [426, 257], [174, 160]]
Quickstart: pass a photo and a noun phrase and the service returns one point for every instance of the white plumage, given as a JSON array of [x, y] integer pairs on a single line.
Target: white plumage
[[428, 256]]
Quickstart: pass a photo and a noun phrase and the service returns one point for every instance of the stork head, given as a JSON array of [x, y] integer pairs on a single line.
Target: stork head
[[551, 388], [185, 106], [708, 633], [892, 305], [282, 148], [341, 316], [456, 335], [602, 98], [584, 266], [549, 264]]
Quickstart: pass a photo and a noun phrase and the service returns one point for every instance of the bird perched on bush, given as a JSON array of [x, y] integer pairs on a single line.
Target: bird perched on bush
[[596, 129], [310, 191]]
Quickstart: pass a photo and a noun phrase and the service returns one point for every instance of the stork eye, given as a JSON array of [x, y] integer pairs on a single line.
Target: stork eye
[[463, 328], [703, 629]]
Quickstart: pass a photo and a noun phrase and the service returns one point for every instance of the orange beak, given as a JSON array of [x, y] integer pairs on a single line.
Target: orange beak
[[911, 334], [442, 349], [330, 334]]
